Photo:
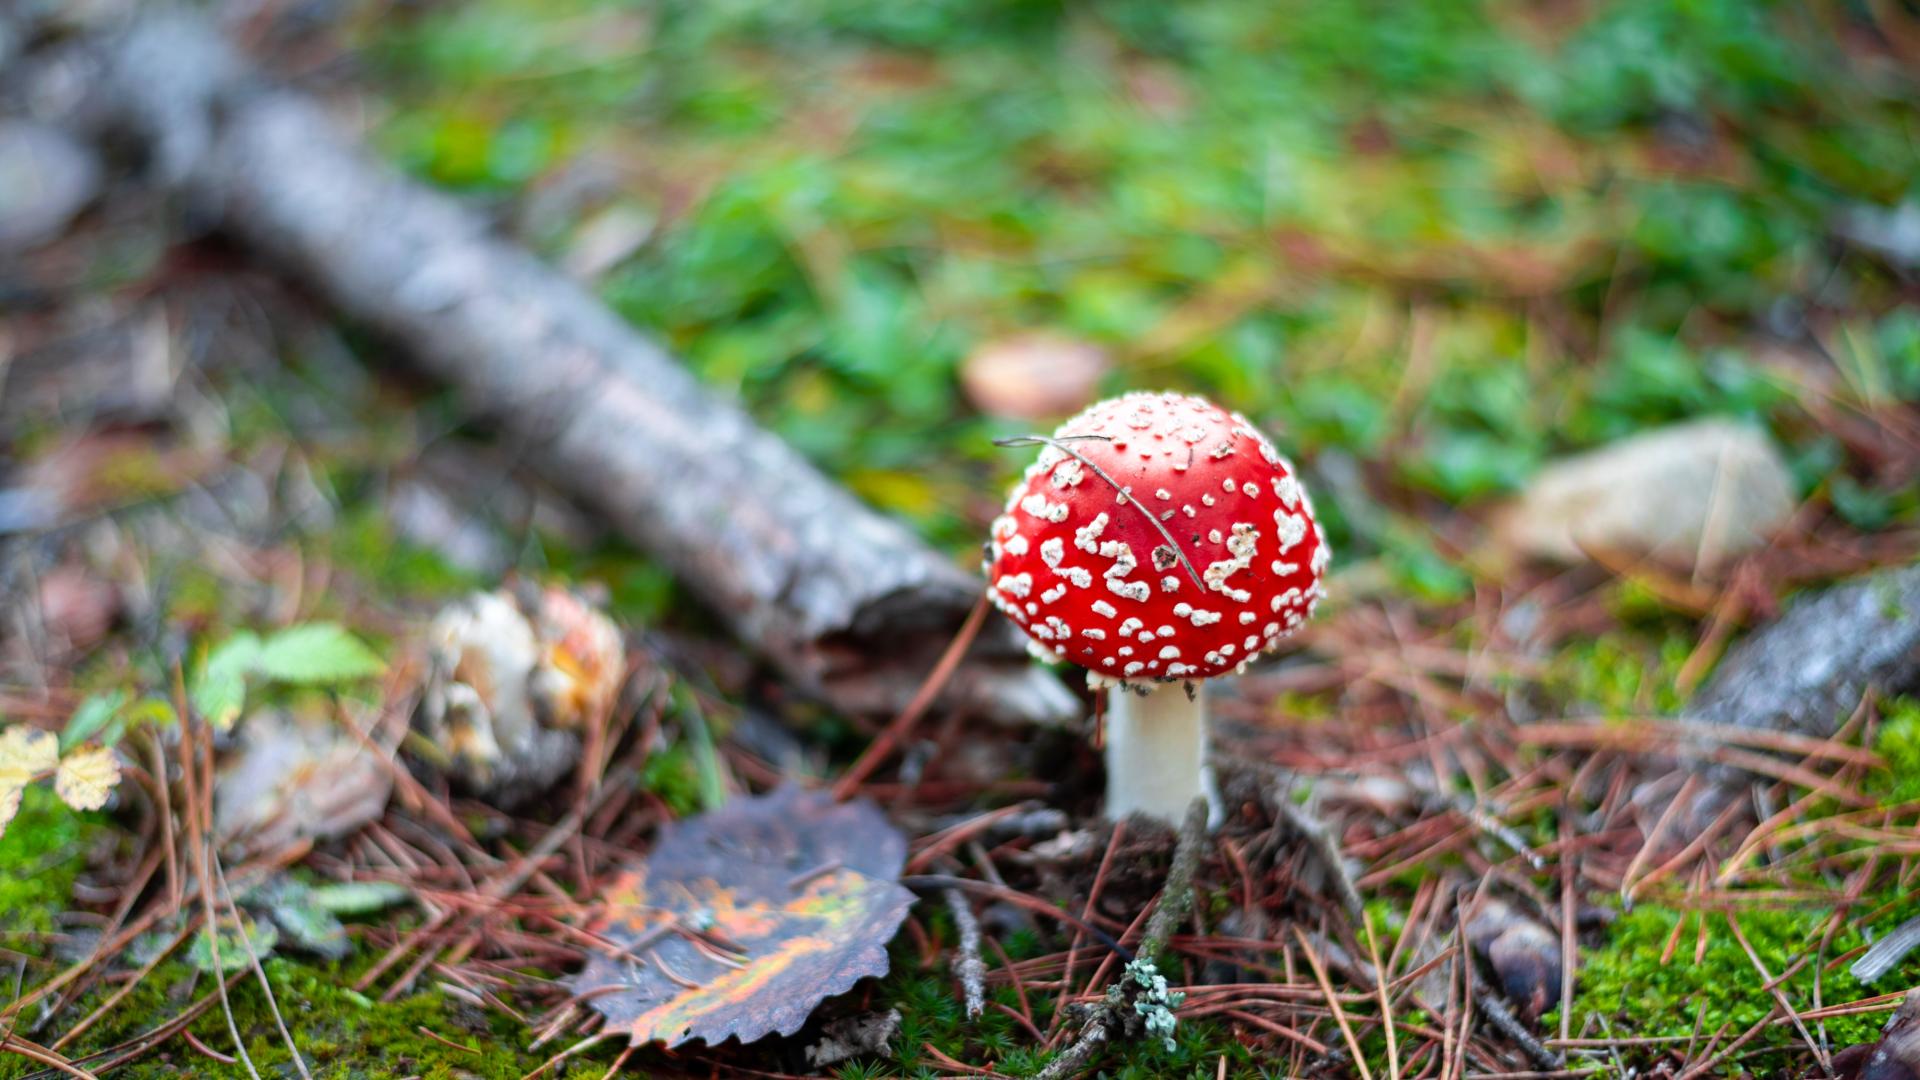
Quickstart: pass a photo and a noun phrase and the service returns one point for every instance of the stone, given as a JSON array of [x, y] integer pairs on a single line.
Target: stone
[[46, 179], [1692, 495]]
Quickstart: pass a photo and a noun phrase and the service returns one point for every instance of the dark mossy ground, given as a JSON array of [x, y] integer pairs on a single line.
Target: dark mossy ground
[[1427, 246]]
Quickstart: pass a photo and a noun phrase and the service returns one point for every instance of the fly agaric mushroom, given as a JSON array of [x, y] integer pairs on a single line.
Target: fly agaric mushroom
[[1159, 540]]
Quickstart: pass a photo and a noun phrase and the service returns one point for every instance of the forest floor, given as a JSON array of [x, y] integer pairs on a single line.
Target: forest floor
[[1428, 251]]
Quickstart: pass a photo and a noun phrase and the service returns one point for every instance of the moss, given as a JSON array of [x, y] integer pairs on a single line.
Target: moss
[[932, 1015], [1622, 672], [43, 850], [1899, 745], [340, 1033], [392, 566], [1626, 983]]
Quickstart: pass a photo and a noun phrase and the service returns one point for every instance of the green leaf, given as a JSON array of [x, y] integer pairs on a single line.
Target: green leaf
[[307, 925], [316, 653], [221, 690], [233, 949], [93, 715], [359, 897], [152, 710]]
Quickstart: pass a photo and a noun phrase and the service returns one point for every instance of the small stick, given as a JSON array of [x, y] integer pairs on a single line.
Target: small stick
[[943, 670], [159, 756], [1569, 945], [253, 960], [1887, 952], [1500, 1016], [443, 1040], [1078, 1057], [1320, 839], [1176, 899], [967, 963], [806, 877], [1380, 977], [203, 853], [580, 1047], [1333, 1003], [1126, 495], [16, 1044]]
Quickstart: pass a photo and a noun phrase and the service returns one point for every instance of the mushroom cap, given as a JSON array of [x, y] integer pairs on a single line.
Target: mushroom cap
[[1158, 536]]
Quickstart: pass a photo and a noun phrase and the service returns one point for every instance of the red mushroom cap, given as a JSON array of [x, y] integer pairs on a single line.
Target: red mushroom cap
[[1158, 536]]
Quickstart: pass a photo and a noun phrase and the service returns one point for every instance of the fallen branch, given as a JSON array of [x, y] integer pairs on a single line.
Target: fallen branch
[[849, 605], [1118, 1016]]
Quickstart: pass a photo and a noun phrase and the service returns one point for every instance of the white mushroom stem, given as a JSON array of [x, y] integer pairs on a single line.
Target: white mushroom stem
[[1157, 753]]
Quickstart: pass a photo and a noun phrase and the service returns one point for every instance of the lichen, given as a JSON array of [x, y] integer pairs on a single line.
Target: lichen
[[1153, 1001]]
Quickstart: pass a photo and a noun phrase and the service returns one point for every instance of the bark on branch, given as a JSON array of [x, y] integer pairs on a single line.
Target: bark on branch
[[847, 603]]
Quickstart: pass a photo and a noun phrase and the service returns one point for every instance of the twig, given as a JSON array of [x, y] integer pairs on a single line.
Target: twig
[[1079, 1055], [1176, 898], [160, 783], [1887, 952], [203, 854], [1780, 996], [253, 959], [1380, 977], [1320, 839], [943, 670], [1125, 494], [1502, 1017], [580, 1047], [1333, 1003], [967, 964], [15, 1044], [1103, 1020]]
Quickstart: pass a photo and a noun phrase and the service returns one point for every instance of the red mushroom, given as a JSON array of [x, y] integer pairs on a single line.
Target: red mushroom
[[1159, 540]]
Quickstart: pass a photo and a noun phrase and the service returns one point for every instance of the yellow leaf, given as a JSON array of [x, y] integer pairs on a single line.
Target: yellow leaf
[[9, 804], [28, 750], [87, 777]]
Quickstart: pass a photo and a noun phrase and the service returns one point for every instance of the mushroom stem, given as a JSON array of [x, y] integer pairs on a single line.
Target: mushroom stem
[[1157, 753]]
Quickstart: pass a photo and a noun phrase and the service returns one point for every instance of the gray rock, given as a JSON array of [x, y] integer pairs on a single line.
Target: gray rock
[[1693, 494], [1892, 232], [1806, 672], [46, 179]]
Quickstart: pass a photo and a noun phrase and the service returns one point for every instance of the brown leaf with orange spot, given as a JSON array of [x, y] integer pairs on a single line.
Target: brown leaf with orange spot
[[744, 919]]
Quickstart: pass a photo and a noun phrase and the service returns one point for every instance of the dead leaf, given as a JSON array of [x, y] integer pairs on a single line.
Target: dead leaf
[[744, 919], [1895, 1057], [294, 776], [87, 777], [1033, 376], [28, 751], [516, 676]]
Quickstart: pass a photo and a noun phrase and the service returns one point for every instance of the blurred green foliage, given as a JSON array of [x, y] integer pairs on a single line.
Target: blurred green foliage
[[1448, 239], [1427, 246]]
